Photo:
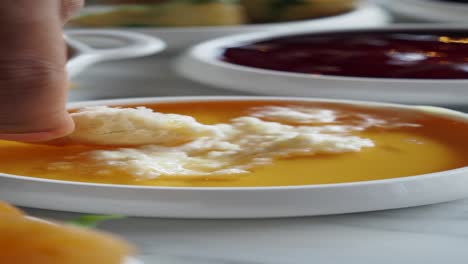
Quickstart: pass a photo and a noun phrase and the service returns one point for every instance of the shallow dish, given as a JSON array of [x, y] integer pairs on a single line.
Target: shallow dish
[[180, 38], [202, 63], [81, 55], [428, 10], [240, 202]]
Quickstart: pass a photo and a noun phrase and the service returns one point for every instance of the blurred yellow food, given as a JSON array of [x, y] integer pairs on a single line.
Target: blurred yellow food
[[261, 11], [72, 85], [27, 241], [8, 210], [174, 14]]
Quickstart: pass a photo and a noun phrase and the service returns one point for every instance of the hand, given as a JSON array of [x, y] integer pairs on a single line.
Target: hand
[[33, 80]]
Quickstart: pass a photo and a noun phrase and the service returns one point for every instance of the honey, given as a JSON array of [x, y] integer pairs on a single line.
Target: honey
[[433, 144]]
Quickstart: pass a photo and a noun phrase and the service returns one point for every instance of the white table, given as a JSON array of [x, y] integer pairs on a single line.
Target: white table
[[430, 234]]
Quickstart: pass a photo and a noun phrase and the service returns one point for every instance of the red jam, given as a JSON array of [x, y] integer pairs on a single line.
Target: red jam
[[393, 54]]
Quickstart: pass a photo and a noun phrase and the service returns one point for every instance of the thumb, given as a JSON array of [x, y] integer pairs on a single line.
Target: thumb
[[33, 80]]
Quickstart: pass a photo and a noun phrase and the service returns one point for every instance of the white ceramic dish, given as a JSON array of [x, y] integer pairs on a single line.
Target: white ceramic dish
[[180, 38], [428, 10], [202, 64], [83, 55], [132, 261], [251, 202], [128, 260]]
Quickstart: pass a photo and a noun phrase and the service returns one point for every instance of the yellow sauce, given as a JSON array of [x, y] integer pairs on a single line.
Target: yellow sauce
[[438, 144]]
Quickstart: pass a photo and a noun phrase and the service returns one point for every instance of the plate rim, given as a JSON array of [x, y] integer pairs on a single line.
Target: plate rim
[[207, 52], [428, 10], [457, 115]]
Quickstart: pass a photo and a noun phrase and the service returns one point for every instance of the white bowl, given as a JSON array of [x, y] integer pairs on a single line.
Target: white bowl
[[183, 37], [428, 10], [83, 55], [239, 202], [202, 64]]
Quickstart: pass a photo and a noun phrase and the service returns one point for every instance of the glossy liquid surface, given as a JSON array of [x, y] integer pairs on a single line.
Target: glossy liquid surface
[[437, 144], [397, 54]]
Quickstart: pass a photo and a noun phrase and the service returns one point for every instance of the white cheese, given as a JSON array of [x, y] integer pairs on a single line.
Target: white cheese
[[104, 125], [176, 145], [296, 115]]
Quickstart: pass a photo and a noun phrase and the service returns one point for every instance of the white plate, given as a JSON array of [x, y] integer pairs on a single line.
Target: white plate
[[202, 64], [128, 260], [180, 38], [428, 10], [132, 261], [135, 45], [250, 202]]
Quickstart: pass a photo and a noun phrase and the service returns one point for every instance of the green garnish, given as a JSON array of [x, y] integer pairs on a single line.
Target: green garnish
[[92, 221], [278, 6], [213, 1], [285, 3], [195, 2]]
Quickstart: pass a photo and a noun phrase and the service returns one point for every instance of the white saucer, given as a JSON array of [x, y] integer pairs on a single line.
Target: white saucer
[[245, 202], [83, 55], [428, 10]]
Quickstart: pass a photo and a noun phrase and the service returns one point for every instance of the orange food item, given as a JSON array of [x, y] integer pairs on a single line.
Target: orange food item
[[25, 240], [8, 210]]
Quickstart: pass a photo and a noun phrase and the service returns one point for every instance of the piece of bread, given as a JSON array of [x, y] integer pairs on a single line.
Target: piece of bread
[[25, 240], [112, 126], [167, 14], [317, 8]]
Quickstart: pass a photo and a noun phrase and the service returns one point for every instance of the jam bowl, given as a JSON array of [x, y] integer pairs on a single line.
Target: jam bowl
[[82, 55], [403, 63]]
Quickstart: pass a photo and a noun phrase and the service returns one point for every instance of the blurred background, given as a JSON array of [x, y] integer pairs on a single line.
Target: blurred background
[[181, 24]]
